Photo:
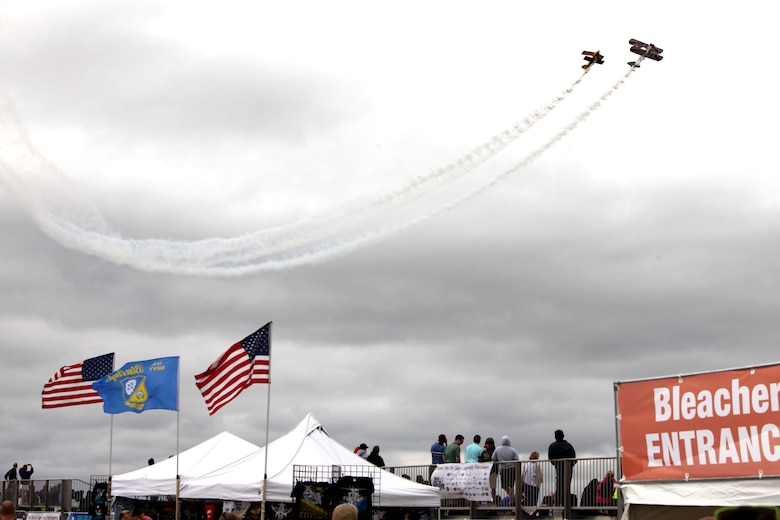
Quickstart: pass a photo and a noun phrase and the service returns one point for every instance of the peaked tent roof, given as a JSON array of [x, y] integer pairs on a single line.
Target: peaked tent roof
[[160, 478], [308, 444]]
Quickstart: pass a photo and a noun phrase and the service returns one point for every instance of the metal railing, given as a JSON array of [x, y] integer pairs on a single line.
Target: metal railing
[[48, 495], [567, 486], [568, 490]]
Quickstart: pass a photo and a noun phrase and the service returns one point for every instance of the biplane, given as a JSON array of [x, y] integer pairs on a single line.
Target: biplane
[[592, 57], [646, 50]]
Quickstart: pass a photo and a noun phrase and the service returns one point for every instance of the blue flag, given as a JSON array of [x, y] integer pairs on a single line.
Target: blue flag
[[141, 385]]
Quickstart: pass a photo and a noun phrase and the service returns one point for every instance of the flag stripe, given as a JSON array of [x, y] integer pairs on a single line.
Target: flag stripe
[[245, 363], [227, 392], [71, 386]]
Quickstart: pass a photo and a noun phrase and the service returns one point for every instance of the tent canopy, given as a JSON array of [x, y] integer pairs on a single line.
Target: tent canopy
[[160, 478], [309, 445]]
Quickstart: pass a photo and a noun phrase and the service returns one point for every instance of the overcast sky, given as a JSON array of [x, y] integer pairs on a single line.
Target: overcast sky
[[506, 301]]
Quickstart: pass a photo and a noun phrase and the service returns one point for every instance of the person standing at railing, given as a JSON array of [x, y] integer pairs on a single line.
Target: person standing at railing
[[606, 490], [375, 458], [452, 452], [506, 454], [11, 473], [474, 450], [487, 456], [26, 472], [363, 450], [437, 453], [437, 450], [532, 481], [561, 449]]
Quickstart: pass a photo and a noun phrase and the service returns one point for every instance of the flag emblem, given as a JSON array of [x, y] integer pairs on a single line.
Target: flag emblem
[[141, 385]]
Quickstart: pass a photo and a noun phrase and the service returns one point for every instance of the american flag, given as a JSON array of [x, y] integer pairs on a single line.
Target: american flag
[[72, 384], [242, 365]]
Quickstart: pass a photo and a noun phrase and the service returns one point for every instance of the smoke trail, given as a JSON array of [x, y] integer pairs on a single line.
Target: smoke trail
[[539, 151], [424, 184], [62, 213], [535, 155]]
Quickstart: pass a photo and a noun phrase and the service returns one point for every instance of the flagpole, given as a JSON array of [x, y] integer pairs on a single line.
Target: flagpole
[[110, 462], [178, 421], [267, 418], [110, 445]]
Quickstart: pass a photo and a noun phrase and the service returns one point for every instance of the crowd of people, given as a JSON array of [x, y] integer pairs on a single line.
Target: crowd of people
[[22, 475], [444, 452], [532, 478]]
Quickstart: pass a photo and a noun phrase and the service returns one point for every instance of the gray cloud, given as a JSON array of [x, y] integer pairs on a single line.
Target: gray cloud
[[642, 245]]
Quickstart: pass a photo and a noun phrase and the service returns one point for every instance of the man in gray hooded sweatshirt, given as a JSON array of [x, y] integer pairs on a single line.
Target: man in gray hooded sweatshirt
[[506, 469]]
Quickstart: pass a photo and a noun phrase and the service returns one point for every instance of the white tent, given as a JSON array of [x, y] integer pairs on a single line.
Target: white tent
[[160, 478], [695, 499], [307, 445]]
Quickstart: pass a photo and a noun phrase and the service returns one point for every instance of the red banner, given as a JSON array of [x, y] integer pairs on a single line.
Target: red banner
[[714, 425]]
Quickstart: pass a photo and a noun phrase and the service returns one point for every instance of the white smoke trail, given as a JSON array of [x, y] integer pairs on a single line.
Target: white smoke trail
[[545, 147], [535, 155], [424, 184], [64, 215]]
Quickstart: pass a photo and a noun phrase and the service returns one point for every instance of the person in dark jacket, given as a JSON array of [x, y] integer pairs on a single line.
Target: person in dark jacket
[[374, 457], [487, 456], [561, 449], [11, 473], [26, 472]]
